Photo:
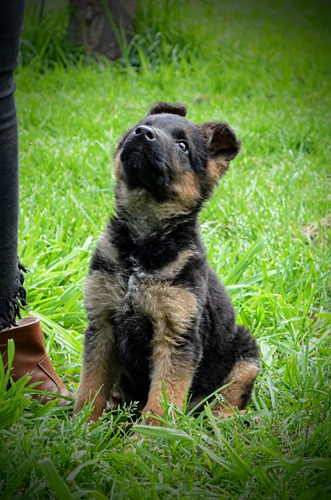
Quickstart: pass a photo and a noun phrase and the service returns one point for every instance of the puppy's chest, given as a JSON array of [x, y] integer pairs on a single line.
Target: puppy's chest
[[133, 320], [136, 306], [151, 303], [142, 305], [137, 291]]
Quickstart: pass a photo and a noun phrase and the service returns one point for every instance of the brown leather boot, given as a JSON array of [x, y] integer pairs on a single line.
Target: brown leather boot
[[30, 358]]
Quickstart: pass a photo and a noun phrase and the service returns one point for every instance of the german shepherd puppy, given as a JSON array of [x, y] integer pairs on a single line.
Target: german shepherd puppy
[[157, 311]]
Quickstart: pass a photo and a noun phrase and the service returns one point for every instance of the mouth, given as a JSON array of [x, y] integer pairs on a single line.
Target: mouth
[[138, 162], [143, 170], [136, 167], [133, 155]]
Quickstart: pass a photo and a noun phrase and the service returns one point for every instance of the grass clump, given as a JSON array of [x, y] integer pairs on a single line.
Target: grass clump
[[264, 69], [45, 42]]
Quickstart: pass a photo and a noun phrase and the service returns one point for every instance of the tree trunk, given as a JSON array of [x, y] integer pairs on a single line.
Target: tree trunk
[[97, 24]]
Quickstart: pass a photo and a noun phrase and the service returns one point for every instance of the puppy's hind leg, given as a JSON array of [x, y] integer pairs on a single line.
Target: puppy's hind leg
[[101, 370], [240, 381]]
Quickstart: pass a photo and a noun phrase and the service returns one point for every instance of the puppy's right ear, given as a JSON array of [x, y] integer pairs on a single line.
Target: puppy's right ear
[[167, 107]]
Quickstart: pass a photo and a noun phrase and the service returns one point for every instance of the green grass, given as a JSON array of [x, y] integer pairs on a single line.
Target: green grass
[[264, 68]]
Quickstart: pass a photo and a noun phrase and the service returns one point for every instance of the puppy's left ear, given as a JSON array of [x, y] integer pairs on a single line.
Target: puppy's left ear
[[223, 145]]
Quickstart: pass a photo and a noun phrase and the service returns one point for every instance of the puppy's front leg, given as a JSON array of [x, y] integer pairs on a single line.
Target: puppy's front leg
[[173, 312], [100, 372], [173, 366]]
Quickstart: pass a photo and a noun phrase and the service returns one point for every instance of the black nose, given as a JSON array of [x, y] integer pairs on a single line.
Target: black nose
[[145, 132]]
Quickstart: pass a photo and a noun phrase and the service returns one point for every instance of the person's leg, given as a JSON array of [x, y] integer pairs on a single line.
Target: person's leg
[[30, 354], [12, 293]]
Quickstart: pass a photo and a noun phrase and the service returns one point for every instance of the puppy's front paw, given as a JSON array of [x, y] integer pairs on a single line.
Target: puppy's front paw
[[150, 417]]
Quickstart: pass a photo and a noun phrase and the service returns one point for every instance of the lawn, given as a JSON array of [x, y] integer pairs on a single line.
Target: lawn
[[264, 67]]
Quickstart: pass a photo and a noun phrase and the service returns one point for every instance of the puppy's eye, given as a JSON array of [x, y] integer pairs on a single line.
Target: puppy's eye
[[183, 146]]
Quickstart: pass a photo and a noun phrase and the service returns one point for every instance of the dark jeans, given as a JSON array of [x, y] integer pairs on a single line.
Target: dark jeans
[[12, 292]]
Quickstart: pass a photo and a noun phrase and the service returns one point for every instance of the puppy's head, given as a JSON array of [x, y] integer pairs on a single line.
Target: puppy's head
[[174, 160]]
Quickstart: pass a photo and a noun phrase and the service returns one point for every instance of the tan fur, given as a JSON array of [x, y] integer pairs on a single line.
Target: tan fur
[[187, 189], [175, 372], [141, 202], [175, 267], [118, 167], [241, 376], [99, 373], [108, 251], [215, 169], [145, 213], [103, 295], [97, 381], [170, 308]]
